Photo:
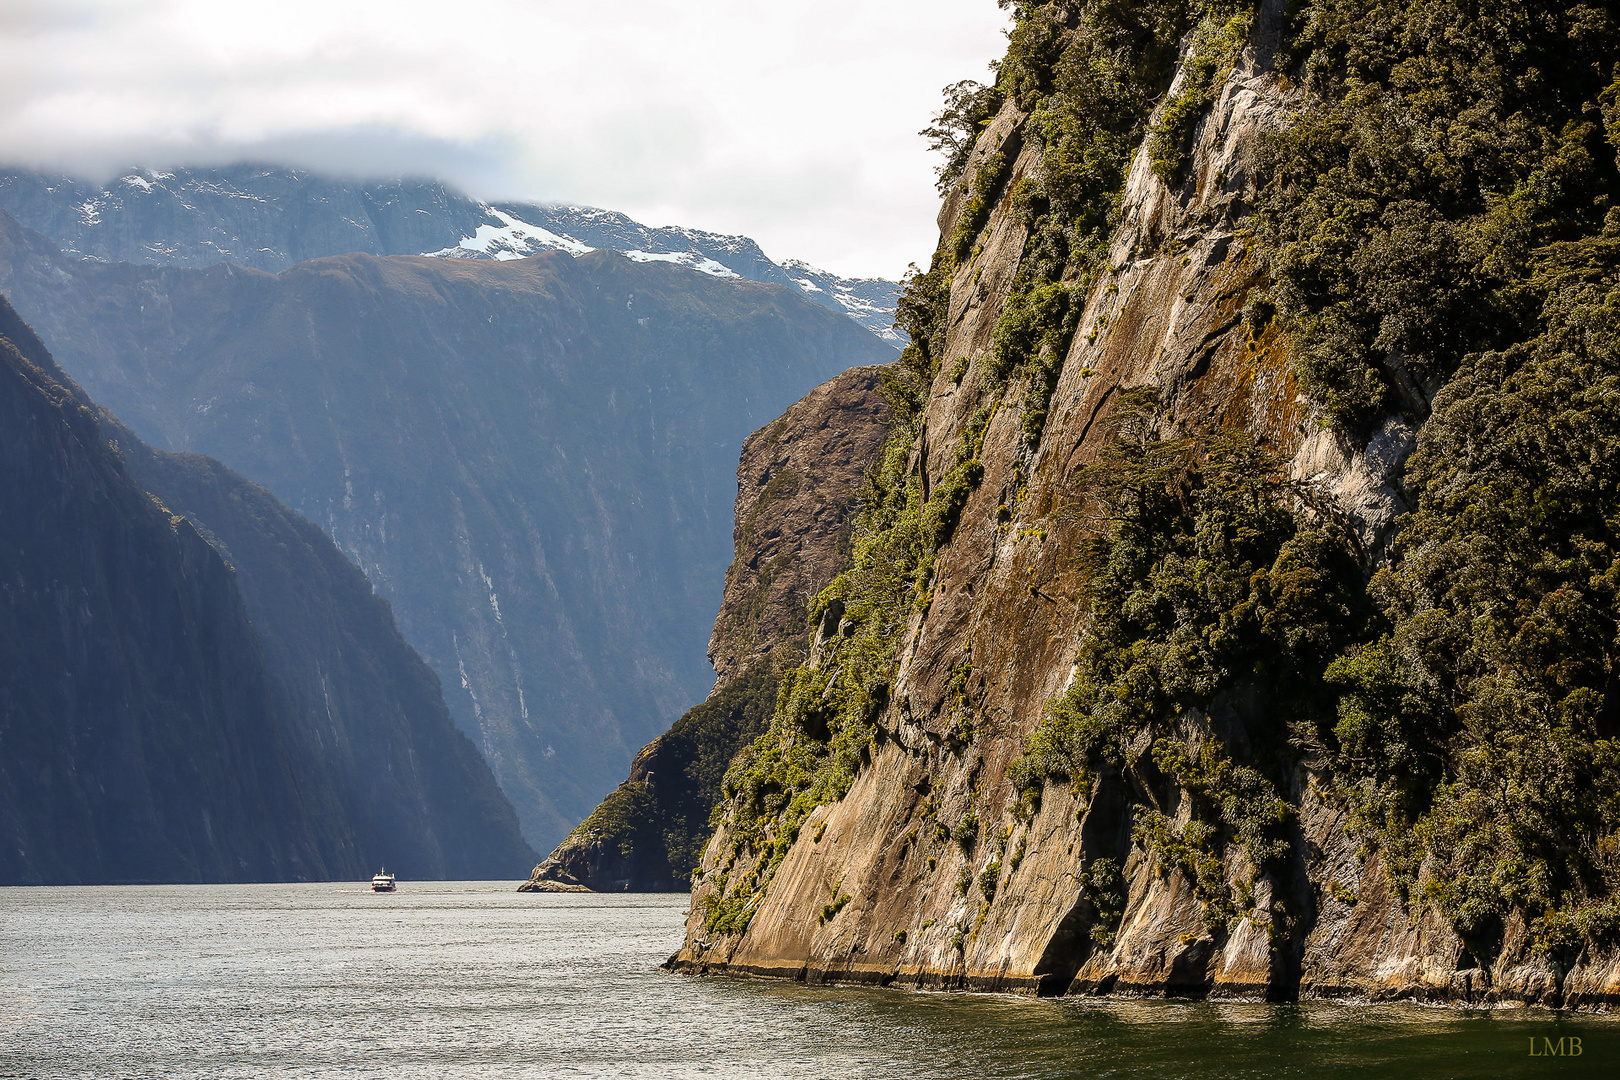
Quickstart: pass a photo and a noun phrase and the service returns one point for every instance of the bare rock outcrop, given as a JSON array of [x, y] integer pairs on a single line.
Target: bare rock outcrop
[[539, 881], [796, 486]]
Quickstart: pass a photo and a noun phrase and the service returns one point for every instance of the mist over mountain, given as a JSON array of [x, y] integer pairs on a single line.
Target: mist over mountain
[[270, 218], [532, 459], [195, 685]]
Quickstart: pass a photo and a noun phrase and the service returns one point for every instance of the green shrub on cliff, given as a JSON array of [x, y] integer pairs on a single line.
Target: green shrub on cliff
[[919, 314], [822, 727], [1196, 575], [969, 108], [1088, 75], [660, 821], [623, 822], [822, 723], [1202, 585], [1439, 145], [1435, 229], [1478, 734], [987, 180], [1214, 48]]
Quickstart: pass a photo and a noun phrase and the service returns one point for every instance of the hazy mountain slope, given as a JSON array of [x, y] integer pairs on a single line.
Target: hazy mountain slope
[[530, 458], [141, 739], [797, 486], [411, 786], [357, 711], [270, 218]]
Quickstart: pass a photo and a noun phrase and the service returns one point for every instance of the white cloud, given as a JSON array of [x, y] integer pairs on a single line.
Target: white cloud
[[792, 123]]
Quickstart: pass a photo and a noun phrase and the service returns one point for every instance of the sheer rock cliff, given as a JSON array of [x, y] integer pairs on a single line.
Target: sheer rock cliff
[[925, 873]]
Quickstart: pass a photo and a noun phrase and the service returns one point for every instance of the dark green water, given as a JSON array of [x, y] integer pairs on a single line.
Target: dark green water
[[474, 980]]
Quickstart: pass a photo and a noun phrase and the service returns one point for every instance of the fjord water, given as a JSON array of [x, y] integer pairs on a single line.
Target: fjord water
[[472, 979]]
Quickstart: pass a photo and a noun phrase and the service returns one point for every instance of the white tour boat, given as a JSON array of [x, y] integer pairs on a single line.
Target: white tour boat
[[383, 882]]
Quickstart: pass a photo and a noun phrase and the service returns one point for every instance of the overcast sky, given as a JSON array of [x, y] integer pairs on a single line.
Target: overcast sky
[[794, 123]]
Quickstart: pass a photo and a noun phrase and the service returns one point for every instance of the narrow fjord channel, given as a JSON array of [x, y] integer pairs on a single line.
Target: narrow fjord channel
[[473, 980]]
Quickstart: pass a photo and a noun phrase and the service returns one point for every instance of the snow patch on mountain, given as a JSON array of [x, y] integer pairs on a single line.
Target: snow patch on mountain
[[578, 229], [689, 259], [511, 238], [869, 301]]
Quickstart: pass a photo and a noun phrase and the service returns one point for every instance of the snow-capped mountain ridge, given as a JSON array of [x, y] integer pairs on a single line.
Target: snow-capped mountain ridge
[[515, 238], [269, 218]]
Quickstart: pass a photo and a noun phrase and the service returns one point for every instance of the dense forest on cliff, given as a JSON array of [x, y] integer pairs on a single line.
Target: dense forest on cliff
[[1431, 239]]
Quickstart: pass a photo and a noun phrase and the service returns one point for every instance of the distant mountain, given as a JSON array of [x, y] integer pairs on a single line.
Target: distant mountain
[[531, 459], [195, 685], [270, 218]]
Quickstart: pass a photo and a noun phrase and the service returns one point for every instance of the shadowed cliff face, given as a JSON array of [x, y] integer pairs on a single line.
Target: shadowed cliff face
[[964, 800], [141, 737], [797, 485], [412, 788], [320, 740], [527, 458]]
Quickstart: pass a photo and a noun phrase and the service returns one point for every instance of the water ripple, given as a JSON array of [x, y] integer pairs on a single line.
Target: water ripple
[[471, 979]]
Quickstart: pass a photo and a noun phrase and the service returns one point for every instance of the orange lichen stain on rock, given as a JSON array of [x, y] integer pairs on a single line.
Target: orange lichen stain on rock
[[1265, 399], [1253, 384]]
